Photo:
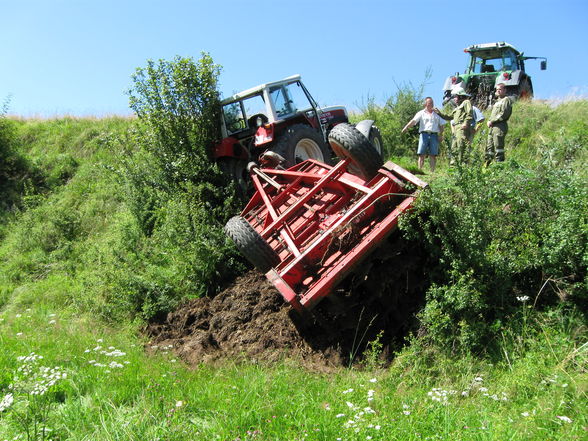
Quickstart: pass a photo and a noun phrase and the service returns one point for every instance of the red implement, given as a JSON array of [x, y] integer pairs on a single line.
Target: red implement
[[313, 223]]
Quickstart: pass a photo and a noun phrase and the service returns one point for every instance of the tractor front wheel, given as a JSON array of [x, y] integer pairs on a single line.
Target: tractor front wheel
[[236, 170], [376, 140], [300, 142], [251, 244], [348, 142]]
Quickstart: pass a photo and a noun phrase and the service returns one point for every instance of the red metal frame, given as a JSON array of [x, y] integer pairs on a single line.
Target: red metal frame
[[322, 221]]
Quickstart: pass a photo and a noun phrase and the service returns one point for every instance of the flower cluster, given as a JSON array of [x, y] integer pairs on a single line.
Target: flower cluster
[[109, 352], [34, 379], [477, 387], [441, 395], [358, 418], [6, 402]]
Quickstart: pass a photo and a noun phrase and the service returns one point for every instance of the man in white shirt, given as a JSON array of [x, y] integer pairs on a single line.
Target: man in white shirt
[[431, 130]]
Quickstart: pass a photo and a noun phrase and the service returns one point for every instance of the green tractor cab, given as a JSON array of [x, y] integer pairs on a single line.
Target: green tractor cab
[[490, 64]]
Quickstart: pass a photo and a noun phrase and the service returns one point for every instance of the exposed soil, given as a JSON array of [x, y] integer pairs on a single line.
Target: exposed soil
[[249, 320]]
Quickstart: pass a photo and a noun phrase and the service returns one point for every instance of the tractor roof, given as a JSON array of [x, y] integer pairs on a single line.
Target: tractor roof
[[491, 47], [255, 90]]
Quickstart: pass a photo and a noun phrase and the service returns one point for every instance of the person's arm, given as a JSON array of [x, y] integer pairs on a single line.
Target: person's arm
[[412, 122], [408, 125], [442, 115]]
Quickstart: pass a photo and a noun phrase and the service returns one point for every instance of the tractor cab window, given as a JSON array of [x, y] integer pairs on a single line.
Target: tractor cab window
[[233, 116], [509, 59], [237, 114], [289, 99], [493, 62]]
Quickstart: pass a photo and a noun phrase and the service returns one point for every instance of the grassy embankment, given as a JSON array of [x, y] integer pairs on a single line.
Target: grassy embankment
[[71, 255]]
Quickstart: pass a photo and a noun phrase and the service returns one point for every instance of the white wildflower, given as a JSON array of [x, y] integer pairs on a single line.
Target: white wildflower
[[523, 299], [525, 414], [6, 402], [348, 391], [565, 419], [340, 415], [373, 380]]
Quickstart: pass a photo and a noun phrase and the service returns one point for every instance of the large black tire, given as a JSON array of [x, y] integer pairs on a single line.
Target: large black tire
[[523, 91], [348, 142], [251, 244], [300, 142]]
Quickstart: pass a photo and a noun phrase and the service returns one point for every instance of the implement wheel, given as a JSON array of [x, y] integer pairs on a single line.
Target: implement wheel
[[376, 140], [348, 142], [250, 243]]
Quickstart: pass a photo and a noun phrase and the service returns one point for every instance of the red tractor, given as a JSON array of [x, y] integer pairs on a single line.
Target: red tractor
[[279, 124]]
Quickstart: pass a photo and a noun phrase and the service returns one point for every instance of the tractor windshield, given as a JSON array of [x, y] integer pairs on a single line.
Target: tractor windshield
[[238, 115], [289, 99], [492, 61]]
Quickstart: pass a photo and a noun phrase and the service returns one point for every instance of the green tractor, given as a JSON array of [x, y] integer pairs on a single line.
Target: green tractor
[[490, 64]]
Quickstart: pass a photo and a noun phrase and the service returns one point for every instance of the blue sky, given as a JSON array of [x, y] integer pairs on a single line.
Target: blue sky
[[76, 57]]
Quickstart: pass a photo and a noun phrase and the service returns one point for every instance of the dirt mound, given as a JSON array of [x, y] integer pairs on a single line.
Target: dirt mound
[[247, 320], [250, 320]]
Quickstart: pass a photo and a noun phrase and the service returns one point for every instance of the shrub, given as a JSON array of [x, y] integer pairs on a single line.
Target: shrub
[[499, 234], [178, 196]]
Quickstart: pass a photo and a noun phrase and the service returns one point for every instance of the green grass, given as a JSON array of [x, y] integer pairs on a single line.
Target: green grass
[[423, 395], [69, 256]]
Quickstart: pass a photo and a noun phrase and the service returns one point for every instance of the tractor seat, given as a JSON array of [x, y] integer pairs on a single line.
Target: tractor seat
[[488, 68], [252, 121]]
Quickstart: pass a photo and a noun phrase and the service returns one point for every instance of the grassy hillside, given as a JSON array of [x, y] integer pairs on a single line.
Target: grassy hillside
[[502, 352]]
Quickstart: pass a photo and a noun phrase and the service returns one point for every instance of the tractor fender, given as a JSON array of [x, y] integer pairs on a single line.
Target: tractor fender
[[515, 78], [448, 83], [365, 127]]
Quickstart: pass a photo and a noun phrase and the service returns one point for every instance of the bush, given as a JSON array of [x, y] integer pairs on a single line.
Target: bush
[[16, 174], [500, 234], [178, 196]]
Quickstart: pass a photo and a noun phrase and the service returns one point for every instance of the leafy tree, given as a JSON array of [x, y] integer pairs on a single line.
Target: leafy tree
[[179, 197]]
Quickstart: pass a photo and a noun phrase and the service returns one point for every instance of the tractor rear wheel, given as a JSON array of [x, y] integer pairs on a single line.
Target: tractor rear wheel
[[300, 142], [348, 142], [250, 243], [525, 90]]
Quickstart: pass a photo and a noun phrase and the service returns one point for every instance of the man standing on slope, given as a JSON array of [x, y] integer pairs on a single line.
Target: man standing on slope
[[431, 130], [461, 123], [498, 125]]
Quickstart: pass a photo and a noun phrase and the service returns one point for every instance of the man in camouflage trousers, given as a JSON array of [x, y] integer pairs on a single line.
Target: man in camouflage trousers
[[461, 126], [498, 125]]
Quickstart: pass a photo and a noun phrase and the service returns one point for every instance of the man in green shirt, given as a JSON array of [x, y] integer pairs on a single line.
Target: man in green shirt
[[461, 126], [498, 125]]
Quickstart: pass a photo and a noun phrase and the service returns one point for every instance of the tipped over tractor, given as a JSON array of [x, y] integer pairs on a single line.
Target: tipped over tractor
[[279, 124]]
